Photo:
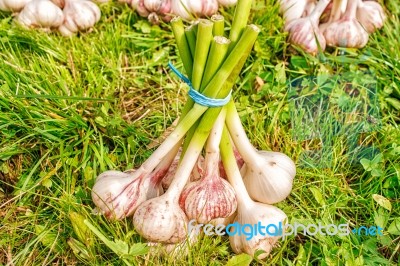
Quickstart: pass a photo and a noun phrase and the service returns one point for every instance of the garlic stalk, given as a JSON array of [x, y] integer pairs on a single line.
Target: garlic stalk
[[249, 212], [371, 15], [13, 5], [347, 31], [212, 197], [305, 32], [268, 176], [79, 15], [41, 14]]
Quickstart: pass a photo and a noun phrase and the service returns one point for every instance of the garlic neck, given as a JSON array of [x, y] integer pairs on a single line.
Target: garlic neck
[[238, 135], [318, 10], [351, 9]]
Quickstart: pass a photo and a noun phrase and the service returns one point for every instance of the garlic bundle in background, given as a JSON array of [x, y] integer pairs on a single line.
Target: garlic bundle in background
[[164, 10], [66, 16], [343, 23]]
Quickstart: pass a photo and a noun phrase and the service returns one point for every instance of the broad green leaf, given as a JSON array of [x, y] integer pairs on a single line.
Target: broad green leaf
[[394, 227], [80, 228], [317, 195], [367, 165], [382, 201], [240, 260]]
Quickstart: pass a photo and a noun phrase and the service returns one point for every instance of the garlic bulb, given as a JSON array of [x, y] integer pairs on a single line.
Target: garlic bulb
[[187, 9], [269, 180], [41, 14], [347, 31], [268, 175], [371, 15], [292, 9], [257, 214], [117, 194], [250, 213], [210, 198], [154, 10], [139, 6], [305, 32], [59, 3], [79, 15], [227, 3], [161, 220], [13, 5], [334, 11]]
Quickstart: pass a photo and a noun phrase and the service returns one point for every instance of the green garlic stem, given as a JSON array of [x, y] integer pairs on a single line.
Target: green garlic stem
[[232, 169], [238, 134], [212, 147], [190, 33], [242, 13], [219, 25], [203, 43], [182, 44]]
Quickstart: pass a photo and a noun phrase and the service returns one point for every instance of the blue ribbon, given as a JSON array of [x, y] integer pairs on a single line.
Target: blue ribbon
[[197, 96]]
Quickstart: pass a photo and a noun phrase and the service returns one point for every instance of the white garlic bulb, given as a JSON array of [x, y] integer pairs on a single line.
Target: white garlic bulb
[[227, 3], [251, 214], [209, 198], [292, 9], [257, 214], [79, 15], [189, 9], [117, 194], [59, 3], [270, 179], [347, 31], [41, 14], [371, 15], [13, 5], [164, 214], [305, 33], [139, 6]]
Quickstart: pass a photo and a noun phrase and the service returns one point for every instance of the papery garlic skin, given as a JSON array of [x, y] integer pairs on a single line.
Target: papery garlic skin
[[41, 14], [13, 5], [209, 199], [371, 15], [305, 32], [117, 194], [79, 15], [292, 9], [254, 214], [140, 8], [347, 31], [227, 3], [163, 214], [271, 180], [187, 9]]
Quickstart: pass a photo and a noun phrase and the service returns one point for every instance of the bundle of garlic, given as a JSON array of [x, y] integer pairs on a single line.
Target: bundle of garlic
[[156, 10], [176, 186], [66, 16], [314, 25]]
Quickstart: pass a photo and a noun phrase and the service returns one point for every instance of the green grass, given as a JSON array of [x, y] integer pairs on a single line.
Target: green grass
[[72, 108]]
